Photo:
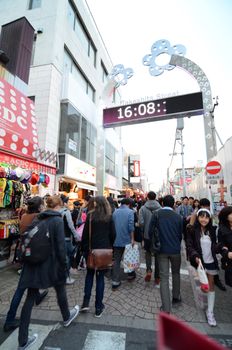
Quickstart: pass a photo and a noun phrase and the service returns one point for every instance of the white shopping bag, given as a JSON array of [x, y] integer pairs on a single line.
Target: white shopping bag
[[131, 259], [203, 277]]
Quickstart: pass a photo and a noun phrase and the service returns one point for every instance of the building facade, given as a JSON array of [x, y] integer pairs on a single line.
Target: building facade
[[68, 73]]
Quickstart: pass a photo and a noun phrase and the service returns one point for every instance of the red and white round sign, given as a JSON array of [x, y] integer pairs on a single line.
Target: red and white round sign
[[213, 167]]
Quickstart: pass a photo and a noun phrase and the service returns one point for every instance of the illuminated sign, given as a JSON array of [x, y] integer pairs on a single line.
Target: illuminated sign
[[167, 108]]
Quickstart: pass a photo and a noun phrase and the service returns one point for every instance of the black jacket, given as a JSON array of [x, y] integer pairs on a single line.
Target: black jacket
[[52, 271], [102, 235], [193, 244], [225, 240]]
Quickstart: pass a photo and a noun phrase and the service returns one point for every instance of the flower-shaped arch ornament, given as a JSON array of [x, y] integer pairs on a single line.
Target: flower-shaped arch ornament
[[120, 75], [158, 48]]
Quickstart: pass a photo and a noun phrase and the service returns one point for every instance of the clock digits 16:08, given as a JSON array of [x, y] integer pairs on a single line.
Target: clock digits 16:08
[[131, 111]]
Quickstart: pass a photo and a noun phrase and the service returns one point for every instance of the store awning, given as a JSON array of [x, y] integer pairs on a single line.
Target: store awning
[[87, 186], [114, 192]]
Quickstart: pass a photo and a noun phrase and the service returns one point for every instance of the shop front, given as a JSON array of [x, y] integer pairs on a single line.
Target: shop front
[[21, 176], [110, 188], [76, 179]]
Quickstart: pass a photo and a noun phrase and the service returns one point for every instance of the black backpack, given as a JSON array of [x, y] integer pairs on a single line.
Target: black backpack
[[36, 244]]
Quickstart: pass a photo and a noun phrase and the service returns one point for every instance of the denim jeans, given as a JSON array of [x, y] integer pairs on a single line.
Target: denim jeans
[[69, 251], [100, 286], [17, 297], [175, 260], [28, 305]]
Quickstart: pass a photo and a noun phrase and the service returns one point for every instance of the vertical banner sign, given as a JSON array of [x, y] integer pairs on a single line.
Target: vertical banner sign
[[18, 131], [136, 168]]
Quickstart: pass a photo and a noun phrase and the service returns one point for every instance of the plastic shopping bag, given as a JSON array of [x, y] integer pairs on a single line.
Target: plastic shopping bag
[[203, 278], [131, 259]]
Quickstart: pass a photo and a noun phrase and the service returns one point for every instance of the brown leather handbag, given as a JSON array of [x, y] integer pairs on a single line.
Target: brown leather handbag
[[99, 259]]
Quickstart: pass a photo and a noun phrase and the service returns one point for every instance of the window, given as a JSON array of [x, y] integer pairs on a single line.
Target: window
[[110, 159], [71, 67], [33, 4], [79, 28], [104, 73], [78, 137]]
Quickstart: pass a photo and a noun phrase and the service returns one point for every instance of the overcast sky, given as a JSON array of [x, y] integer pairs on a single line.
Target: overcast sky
[[204, 27]]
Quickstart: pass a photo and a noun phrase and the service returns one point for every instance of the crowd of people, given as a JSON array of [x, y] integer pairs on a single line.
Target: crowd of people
[[160, 226]]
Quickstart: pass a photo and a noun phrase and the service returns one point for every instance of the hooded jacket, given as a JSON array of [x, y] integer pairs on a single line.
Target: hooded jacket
[[69, 229], [53, 270], [145, 215]]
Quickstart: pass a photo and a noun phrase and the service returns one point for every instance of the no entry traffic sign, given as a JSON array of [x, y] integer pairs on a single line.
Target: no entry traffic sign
[[213, 167]]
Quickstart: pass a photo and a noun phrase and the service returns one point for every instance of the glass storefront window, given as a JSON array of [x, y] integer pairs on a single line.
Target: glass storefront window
[[77, 136]]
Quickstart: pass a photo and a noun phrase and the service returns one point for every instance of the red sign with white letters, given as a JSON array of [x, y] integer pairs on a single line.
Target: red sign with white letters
[[18, 131], [213, 167]]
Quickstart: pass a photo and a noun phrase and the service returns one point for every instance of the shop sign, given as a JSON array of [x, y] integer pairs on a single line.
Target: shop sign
[[26, 164], [18, 131], [77, 169], [110, 181], [72, 145]]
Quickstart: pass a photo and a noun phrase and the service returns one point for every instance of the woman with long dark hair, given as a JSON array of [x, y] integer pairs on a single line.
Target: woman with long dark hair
[[102, 237], [225, 238], [201, 245]]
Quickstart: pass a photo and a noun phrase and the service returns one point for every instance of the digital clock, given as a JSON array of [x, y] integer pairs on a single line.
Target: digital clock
[[172, 107]]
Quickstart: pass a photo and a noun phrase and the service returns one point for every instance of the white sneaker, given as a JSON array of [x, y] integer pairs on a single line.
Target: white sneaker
[[211, 319], [31, 340], [73, 314], [70, 280]]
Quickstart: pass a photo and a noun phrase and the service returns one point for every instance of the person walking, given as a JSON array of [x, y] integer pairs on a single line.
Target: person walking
[[50, 273], [185, 210], [202, 246], [145, 215], [100, 222], [205, 203], [170, 226], [70, 235], [124, 225], [225, 239], [34, 206], [75, 212]]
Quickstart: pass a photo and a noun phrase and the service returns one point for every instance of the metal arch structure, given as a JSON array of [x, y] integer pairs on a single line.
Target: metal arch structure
[[196, 72]]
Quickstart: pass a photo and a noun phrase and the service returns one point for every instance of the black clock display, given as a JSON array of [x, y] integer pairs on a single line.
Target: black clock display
[[172, 107]]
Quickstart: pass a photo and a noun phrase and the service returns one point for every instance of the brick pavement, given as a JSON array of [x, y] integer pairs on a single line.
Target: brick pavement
[[135, 304]]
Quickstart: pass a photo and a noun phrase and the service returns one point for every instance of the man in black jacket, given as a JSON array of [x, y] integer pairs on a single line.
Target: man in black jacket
[[170, 226]]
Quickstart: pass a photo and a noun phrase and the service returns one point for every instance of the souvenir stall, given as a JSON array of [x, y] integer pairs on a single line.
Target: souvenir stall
[[16, 186]]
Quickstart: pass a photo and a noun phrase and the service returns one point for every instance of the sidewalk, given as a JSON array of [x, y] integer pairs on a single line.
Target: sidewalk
[[136, 304]]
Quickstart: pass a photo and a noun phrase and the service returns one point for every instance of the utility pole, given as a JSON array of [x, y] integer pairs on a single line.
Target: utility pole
[[179, 136]]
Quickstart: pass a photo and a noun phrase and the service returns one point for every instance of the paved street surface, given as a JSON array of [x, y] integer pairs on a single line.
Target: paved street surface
[[129, 320]]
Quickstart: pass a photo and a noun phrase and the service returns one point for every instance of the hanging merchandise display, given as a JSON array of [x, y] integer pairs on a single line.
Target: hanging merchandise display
[[16, 186]]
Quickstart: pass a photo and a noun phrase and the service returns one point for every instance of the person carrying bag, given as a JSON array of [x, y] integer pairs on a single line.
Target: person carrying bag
[[97, 242]]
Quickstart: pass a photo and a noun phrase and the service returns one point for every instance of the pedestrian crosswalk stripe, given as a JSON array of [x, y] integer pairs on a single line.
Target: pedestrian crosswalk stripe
[[11, 343], [102, 340]]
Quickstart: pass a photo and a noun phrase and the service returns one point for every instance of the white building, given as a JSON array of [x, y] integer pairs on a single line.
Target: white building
[[68, 73]]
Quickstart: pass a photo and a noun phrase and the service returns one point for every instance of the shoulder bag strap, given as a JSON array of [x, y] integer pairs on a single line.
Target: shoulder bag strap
[[90, 219]]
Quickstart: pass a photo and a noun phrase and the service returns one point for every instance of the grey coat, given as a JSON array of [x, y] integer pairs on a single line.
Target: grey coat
[[52, 271], [145, 215]]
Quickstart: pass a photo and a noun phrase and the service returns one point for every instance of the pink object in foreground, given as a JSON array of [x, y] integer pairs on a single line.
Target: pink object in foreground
[[174, 334]]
